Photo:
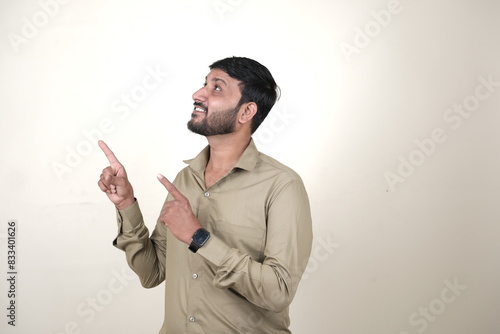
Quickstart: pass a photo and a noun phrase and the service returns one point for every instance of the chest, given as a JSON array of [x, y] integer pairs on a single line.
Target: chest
[[211, 177], [234, 209]]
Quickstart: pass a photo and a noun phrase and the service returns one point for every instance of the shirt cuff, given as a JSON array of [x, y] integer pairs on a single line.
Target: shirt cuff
[[129, 219], [215, 250]]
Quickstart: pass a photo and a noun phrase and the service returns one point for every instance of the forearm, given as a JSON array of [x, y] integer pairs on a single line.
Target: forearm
[[270, 284], [270, 280], [145, 255]]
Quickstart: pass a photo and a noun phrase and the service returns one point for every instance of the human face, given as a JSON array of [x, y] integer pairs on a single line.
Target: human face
[[216, 105]]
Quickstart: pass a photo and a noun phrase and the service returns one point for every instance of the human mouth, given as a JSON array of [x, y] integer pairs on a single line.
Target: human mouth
[[200, 108]]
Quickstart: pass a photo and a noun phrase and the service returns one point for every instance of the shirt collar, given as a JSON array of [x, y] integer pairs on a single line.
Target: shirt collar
[[247, 161]]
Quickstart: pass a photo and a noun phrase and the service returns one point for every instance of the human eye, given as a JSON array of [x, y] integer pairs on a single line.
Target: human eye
[[217, 88]]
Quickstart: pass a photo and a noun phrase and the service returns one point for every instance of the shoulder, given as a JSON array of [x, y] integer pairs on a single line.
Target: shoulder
[[282, 171], [285, 185]]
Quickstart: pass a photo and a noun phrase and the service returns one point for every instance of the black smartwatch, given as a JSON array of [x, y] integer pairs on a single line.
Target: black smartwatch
[[200, 237]]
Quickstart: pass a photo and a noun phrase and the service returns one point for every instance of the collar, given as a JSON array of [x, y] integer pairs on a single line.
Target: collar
[[247, 161]]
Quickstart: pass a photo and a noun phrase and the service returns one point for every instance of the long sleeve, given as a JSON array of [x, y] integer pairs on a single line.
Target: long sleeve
[[272, 283], [145, 254], [244, 278]]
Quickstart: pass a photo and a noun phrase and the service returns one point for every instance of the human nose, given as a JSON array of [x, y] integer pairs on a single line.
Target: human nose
[[200, 95]]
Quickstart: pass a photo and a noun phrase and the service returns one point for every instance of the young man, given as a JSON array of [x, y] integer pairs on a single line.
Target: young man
[[234, 235]]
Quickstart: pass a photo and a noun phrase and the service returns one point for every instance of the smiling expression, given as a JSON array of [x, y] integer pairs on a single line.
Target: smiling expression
[[216, 105]]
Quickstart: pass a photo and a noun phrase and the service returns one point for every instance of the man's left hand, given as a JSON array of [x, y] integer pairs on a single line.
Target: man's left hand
[[177, 214]]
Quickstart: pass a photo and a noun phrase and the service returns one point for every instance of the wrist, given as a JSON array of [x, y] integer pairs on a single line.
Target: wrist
[[199, 239], [125, 203]]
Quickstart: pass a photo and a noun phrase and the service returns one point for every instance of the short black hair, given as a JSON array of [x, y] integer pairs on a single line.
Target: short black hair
[[258, 84]]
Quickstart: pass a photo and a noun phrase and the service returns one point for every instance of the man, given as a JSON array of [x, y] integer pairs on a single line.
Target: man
[[234, 235]]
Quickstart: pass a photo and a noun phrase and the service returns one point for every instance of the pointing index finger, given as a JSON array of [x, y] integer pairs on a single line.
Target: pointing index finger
[[109, 154], [176, 194]]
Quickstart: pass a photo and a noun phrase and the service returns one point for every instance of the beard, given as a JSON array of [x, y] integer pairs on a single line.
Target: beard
[[220, 123]]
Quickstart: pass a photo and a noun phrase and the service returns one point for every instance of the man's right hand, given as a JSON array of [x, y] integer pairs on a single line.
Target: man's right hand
[[114, 181]]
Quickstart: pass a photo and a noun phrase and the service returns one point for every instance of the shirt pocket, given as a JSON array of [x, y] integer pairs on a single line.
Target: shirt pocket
[[250, 240]]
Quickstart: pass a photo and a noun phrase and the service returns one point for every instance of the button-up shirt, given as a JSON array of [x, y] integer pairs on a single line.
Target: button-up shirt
[[246, 275]]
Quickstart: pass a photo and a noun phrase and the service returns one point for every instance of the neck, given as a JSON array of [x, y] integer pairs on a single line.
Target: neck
[[225, 150]]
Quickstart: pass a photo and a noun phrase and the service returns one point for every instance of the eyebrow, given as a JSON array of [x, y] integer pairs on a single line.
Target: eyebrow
[[217, 80]]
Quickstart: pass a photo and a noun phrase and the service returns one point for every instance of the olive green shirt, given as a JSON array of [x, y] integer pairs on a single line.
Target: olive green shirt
[[245, 277]]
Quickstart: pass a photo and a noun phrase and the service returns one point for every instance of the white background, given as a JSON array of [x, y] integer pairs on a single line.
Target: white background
[[399, 216]]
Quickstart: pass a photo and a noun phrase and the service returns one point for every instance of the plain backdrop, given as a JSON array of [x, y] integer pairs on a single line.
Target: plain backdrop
[[389, 112]]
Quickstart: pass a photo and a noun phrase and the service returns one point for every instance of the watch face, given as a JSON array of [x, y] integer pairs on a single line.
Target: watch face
[[200, 236]]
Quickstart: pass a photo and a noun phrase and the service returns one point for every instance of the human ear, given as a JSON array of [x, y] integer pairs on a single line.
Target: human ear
[[249, 111]]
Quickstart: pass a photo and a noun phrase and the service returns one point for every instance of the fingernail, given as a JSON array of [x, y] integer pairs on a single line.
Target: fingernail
[[159, 176]]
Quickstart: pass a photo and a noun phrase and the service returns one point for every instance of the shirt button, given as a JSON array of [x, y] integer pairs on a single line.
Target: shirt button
[[192, 319], [195, 276], [206, 194]]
